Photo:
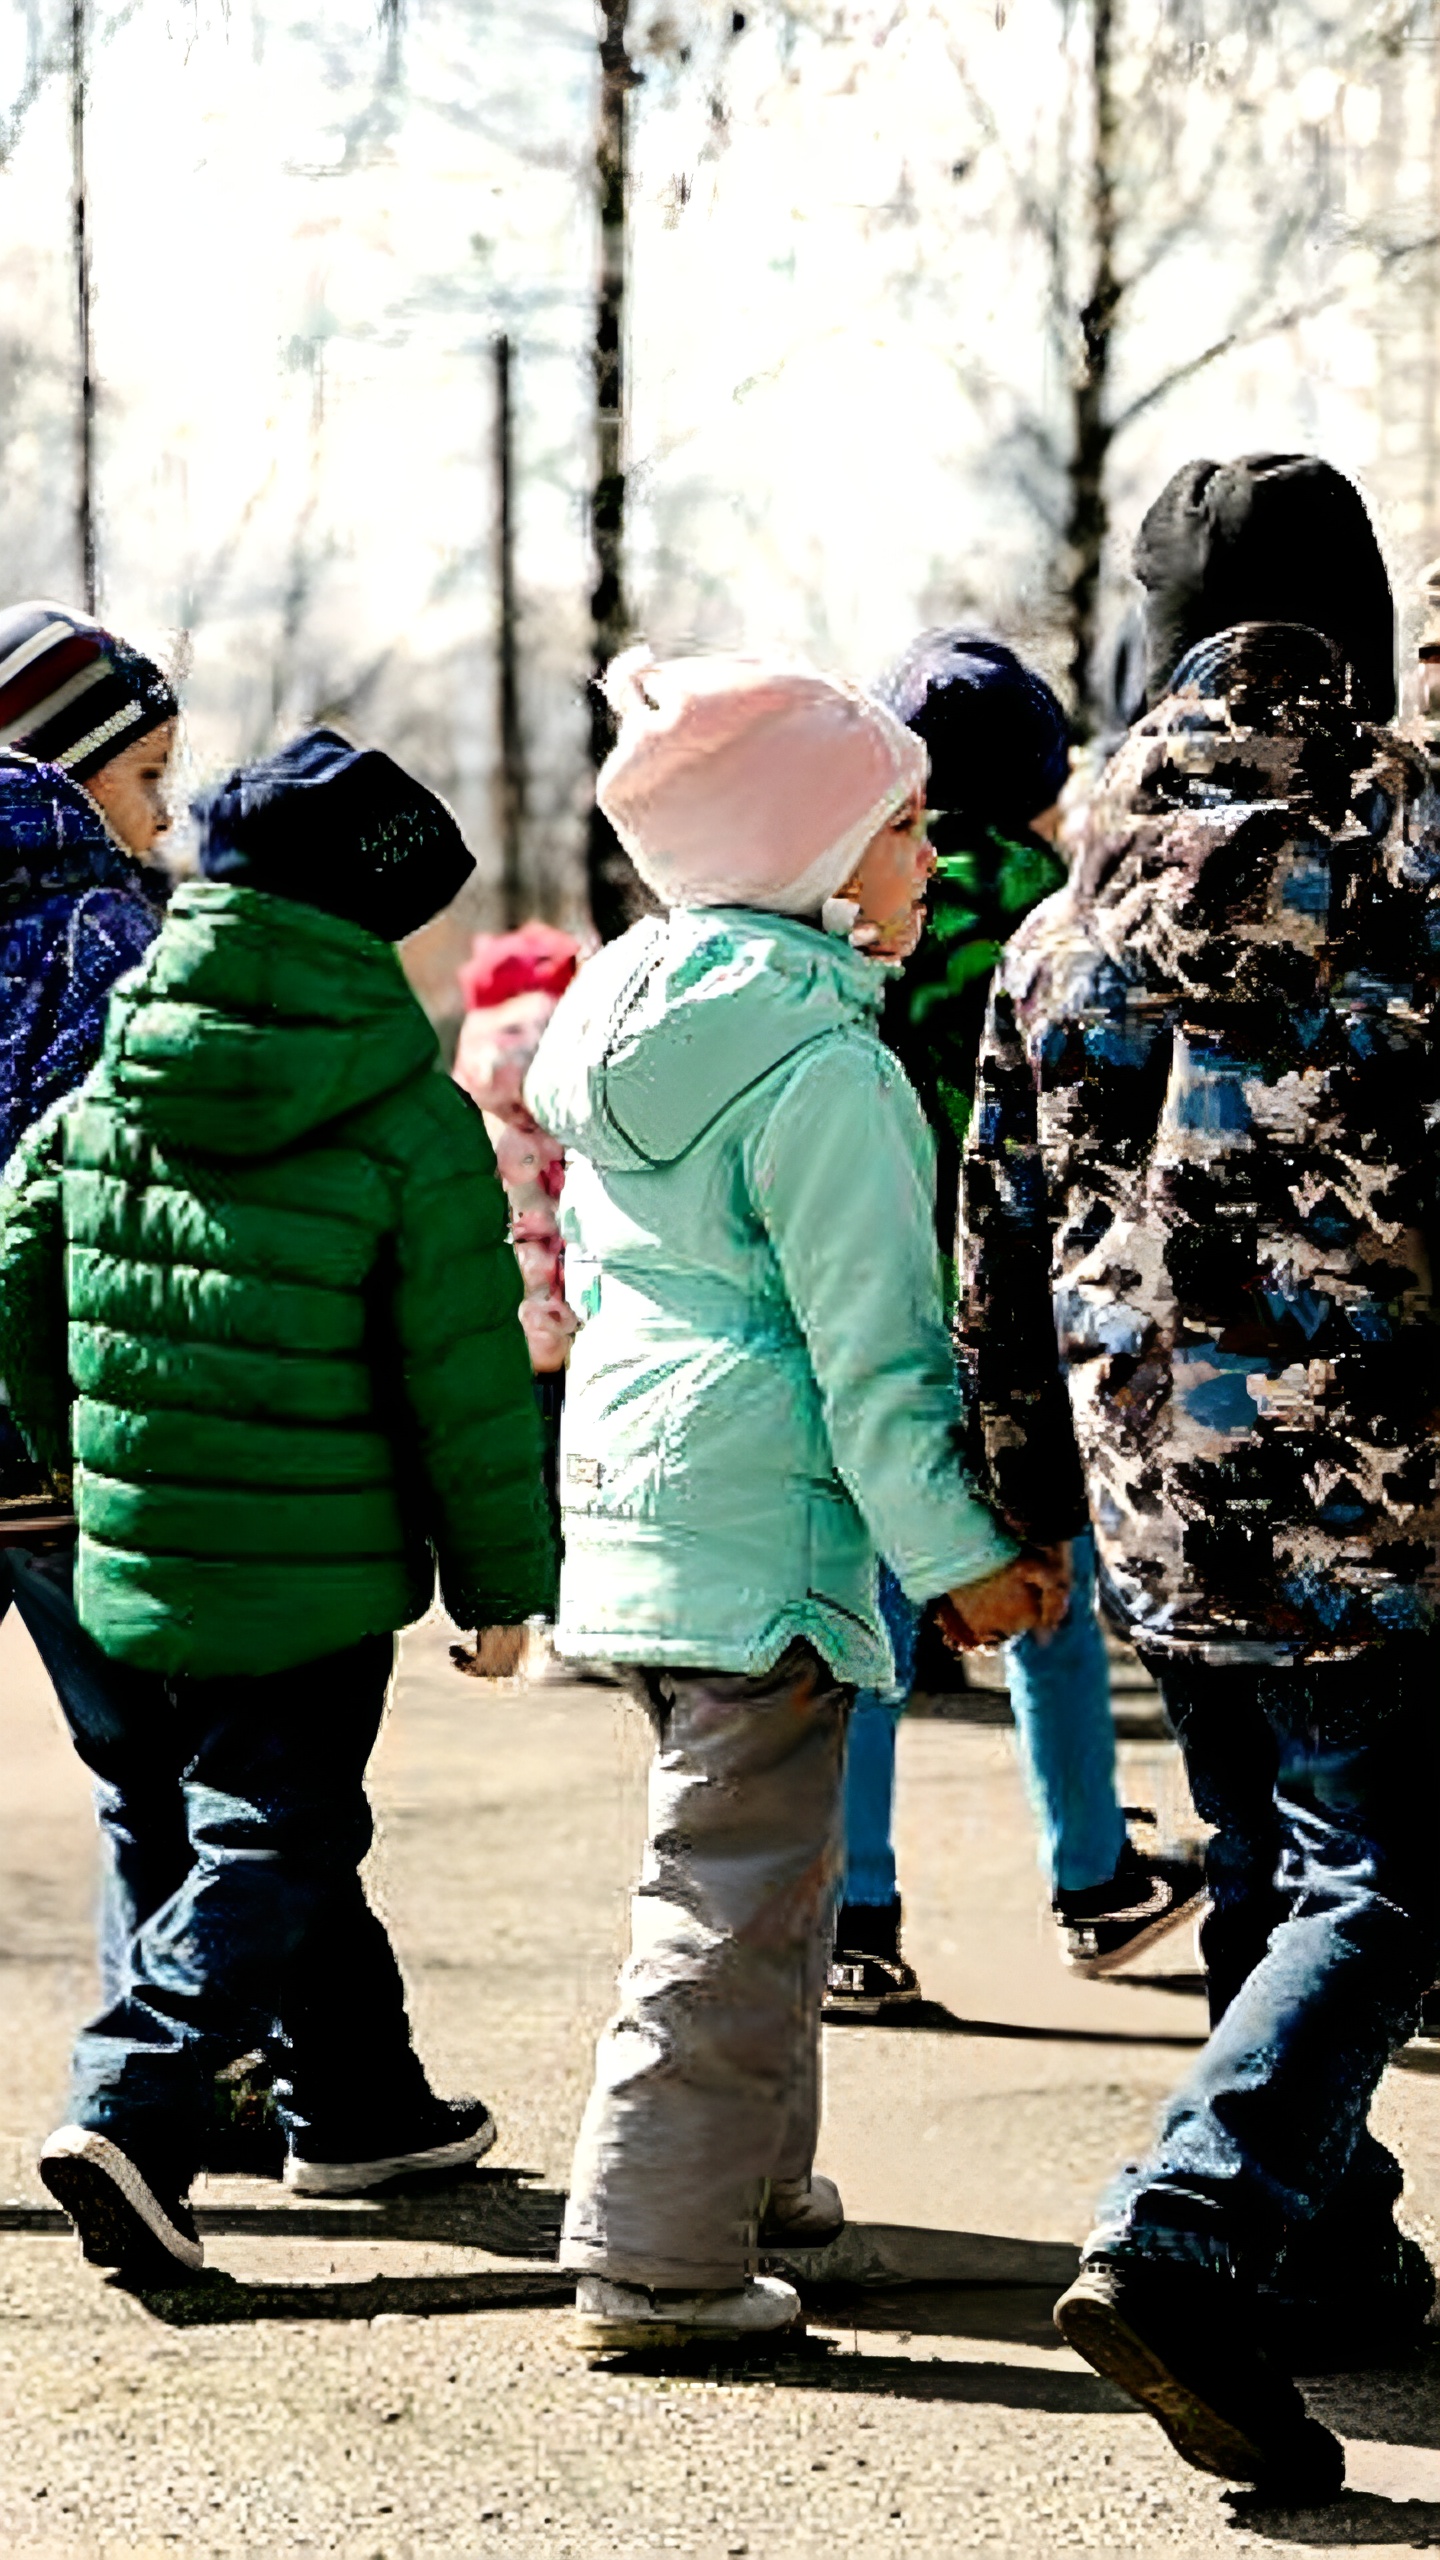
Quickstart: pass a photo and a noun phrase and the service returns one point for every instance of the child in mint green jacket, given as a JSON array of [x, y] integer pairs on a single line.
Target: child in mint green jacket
[[761, 1400]]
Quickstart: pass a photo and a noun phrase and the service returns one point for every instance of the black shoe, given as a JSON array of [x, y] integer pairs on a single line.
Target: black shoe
[[245, 2138], [1102, 1928], [1166, 2334], [1371, 2311], [146, 2233], [1429, 2026], [448, 2133], [868, 1975]]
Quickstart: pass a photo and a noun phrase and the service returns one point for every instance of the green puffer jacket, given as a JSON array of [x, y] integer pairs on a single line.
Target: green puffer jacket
[[298, 1375], [762, 1393]]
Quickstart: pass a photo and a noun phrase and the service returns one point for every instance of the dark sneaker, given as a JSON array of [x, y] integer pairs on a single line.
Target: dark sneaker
[[245, 2138], [1148, 1895], [868, 1975], [1371, 2310], [1429, 2026], [124, 2222], [1166, 2334], [449, 2135], [801, 2213]]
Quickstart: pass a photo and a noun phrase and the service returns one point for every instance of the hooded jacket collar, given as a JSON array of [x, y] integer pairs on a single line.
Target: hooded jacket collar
[[1231, 838], [255, 1020], [54, 842], [666, 1028]]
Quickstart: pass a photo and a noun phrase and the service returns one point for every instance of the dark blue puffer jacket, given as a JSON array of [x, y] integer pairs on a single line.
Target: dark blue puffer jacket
[[75, 913]]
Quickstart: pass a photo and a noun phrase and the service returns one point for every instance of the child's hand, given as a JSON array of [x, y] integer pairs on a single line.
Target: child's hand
[[498, 1654], [1028, 1596]]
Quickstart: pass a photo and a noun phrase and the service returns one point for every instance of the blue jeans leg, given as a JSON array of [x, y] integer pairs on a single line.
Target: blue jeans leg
[[1065, 1734], [870, 1760], [120, 1721], [269, 1922], [1267, 2140]]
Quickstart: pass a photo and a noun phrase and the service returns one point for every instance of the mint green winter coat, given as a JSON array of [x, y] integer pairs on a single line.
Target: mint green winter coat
[[761, 1398]]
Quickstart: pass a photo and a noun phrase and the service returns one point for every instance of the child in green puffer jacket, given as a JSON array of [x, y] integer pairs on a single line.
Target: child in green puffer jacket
[[256, 1290]]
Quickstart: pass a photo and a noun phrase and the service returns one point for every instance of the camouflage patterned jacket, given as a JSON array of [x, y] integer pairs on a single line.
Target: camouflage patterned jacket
[[1207, 1123]]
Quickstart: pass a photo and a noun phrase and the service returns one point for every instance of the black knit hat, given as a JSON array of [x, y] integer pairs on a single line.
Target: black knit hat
[[999, 750], [338, 827], [71, 694], [1273, 537]]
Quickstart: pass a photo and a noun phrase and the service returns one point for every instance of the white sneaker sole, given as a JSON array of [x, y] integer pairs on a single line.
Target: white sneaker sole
[[121, 2221], [836, 2007], [595, 2335], [355, 2177]]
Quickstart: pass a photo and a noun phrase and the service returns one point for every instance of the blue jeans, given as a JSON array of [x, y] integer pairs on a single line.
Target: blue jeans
[[1060, 1695], [1065, 1735], [235, 1818], [869, 1807], [1323, 1939]]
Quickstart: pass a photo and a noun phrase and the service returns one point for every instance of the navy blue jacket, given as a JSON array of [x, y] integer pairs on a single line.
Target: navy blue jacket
[[75, 913]]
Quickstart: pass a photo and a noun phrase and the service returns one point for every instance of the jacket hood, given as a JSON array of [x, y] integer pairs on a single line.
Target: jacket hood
[[663, 1030], [1239, 837], [1273, 537], [254, 1021], [54, 842]]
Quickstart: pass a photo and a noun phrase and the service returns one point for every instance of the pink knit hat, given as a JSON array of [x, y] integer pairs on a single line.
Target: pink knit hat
[[748, 782]]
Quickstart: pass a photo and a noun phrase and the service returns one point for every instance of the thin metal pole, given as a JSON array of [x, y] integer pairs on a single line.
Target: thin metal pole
[[80, 245], [512, 751]]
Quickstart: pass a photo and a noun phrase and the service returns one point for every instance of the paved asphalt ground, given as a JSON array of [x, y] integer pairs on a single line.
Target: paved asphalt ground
[[392, 2379]]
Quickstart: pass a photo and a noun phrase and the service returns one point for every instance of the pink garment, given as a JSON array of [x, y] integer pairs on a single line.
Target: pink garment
[[536, 959], [496, 1047], [746, 782], [524, 973]]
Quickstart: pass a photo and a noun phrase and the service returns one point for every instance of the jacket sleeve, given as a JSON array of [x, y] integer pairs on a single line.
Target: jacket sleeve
[[34, 1362], [470, 1417], [106, 935], [1022, 1437], [841, 1174]]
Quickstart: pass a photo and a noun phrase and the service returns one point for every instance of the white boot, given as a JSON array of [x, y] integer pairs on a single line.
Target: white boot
[[609, 2317], [802, 2213]]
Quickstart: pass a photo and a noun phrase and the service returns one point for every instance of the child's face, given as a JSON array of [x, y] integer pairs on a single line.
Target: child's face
[[130, 789], [889, 881]]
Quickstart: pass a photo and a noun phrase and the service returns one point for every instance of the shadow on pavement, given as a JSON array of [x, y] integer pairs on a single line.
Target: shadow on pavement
[[1417, 2057], [1355, 2518], [815, 2364], [1189, 1986], [931, 2017], [215, 2300], [1399, 2404], [1014, 2315], [482, 2209]]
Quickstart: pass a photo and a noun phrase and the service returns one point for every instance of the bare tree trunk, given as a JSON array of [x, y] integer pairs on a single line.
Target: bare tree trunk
[[616, 895], [1088, 518], [511, 790], [80, 250]]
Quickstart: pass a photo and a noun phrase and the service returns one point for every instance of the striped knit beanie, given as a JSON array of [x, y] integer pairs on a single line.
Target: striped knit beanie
[[72, 694]]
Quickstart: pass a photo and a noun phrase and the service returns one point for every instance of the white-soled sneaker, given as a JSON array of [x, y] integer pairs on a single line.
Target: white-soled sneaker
[[801, 2213], [612, 2317], [122, 2221], [453, 2133]]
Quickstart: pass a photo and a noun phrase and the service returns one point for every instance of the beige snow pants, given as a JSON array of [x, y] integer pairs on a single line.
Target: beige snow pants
[[707, 2082]]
